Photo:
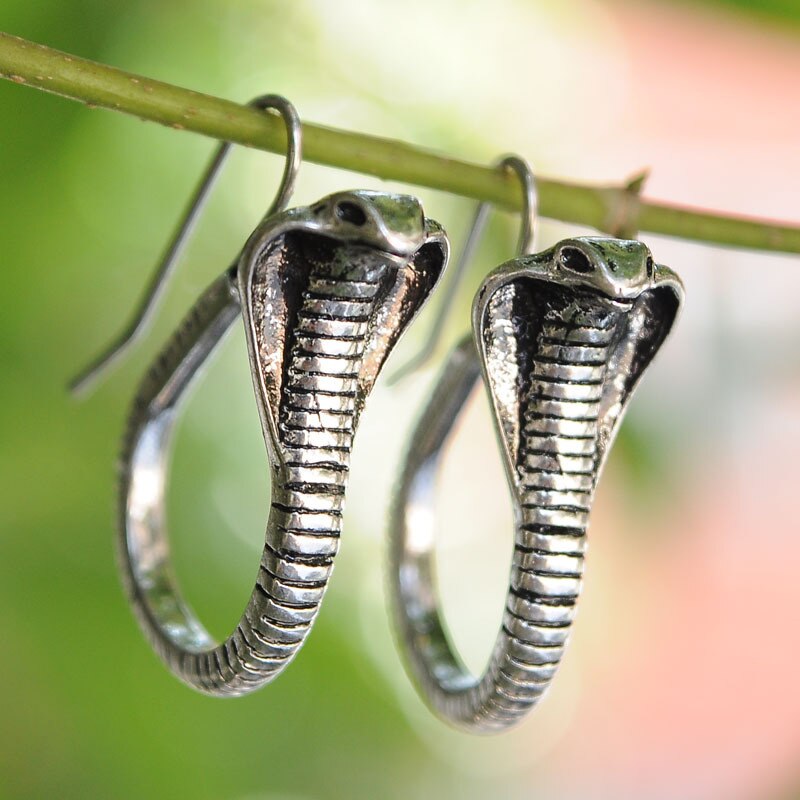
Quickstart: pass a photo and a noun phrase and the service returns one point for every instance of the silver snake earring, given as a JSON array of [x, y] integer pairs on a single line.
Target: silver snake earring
[[561, 340], [325, 292]]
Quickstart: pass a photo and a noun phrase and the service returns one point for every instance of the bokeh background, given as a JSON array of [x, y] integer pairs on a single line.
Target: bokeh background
[[681, 678]]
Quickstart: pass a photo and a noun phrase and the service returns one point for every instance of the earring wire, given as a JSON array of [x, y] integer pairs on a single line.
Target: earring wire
[[525, 243], [86, 379]]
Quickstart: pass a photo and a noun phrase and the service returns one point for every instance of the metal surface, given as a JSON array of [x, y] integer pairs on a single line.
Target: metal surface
[[83, 382], [325, 293], [562, 339]]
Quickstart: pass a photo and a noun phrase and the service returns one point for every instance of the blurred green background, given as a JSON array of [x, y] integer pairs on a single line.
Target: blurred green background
[[89, 199]]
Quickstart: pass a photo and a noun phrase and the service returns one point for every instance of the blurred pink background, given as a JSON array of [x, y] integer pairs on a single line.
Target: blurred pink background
[[681, 676]]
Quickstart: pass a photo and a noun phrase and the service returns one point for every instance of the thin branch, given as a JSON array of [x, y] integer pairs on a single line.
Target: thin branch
[[610, 208]]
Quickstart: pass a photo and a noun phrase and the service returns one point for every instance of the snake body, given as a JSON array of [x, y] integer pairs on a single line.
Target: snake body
[[556, 472], [317, 422]]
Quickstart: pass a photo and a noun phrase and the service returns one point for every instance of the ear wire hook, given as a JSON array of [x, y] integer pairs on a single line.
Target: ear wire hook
[[155, 289], [527, 235]]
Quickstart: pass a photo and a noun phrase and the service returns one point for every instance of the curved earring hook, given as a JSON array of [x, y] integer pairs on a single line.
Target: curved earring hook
[[155, 289], [530, 202], [527, 235]]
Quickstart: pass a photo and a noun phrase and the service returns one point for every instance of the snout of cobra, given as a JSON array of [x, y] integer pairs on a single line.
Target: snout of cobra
[[392, 224]]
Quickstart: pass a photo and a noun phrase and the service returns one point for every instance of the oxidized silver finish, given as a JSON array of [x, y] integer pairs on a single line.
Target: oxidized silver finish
[[562, 338], [325, 293]]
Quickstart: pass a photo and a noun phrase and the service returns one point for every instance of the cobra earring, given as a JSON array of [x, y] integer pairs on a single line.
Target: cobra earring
[[325, 293], [561, 339]]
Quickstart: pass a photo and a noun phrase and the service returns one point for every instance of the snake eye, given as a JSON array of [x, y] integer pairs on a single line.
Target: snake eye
[[575, 260], [651, 267], [350, 212]]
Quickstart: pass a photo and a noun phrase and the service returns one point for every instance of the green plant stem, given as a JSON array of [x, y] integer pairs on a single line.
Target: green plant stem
[[615, 209]]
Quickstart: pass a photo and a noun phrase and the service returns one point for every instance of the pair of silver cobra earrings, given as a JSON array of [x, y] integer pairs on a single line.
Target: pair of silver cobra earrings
[[560, 339]]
